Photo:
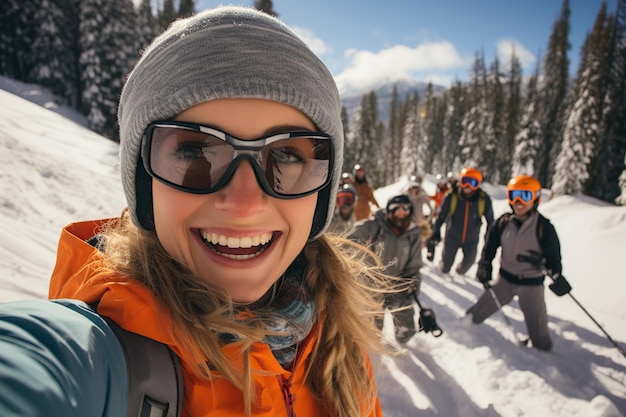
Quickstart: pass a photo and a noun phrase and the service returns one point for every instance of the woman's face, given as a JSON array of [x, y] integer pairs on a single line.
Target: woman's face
[[258, 236]]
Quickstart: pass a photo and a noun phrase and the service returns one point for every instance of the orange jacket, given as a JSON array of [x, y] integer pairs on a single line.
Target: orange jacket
[[364, 196], [439, 196], [79, 274]]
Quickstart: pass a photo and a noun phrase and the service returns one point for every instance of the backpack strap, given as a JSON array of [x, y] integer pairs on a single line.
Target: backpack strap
[[454, 198], [155, 377], [504, 219], [481, 203]]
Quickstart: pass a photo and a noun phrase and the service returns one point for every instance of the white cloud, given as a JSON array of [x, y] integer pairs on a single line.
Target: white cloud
[[506, 47], [316, 44], [368, 69]]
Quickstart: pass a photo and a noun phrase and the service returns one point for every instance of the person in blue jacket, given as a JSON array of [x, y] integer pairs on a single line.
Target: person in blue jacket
[[462, 212]]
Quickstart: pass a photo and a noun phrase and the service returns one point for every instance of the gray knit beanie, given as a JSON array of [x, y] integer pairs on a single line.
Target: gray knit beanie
[[227, 52]]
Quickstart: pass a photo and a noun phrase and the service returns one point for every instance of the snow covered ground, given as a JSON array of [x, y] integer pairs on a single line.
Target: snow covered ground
[[53, 172]]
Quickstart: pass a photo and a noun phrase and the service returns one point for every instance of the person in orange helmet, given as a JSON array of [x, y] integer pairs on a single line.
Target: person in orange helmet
[[529, 244], [364, 194], [462, 212], [343, 217]]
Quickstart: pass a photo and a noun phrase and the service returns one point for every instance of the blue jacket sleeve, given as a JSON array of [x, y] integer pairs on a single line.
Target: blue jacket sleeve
[[59, 358]]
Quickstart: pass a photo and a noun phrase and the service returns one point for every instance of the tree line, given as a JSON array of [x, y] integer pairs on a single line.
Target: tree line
[[570, 134]]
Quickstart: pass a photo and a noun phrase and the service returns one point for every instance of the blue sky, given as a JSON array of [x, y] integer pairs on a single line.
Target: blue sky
[[365, 42]]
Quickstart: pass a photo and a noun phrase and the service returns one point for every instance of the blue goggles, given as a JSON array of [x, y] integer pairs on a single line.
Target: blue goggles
[[200, 159], [470, 182], [523, 196]]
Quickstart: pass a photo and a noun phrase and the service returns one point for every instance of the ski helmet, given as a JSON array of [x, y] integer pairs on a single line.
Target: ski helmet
[[470, 178], [345, 196], [525, 189], [346, 177]]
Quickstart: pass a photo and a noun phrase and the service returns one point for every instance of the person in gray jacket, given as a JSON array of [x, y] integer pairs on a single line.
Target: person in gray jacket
[[396, 239], [530, 248], [462, 212]]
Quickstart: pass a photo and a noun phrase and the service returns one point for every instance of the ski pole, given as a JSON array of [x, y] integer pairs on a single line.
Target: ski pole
[[621, 349], [538, 262], [523, 342], [608, 336]]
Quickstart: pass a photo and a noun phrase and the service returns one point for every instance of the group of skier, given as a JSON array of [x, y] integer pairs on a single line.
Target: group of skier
[[408, 223]]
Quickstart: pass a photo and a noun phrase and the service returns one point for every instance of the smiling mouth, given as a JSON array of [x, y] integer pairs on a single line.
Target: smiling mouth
[[237, 248]]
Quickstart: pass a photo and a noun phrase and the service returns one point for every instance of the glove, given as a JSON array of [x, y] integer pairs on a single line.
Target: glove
[[560, 286], [483, 274], [428, 322]]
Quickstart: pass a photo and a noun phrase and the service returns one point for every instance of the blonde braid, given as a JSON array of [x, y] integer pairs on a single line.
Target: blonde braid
[[348, 298]]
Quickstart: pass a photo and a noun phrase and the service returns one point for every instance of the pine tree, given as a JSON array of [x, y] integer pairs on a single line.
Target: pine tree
[[347, 156], [146, 24], [411, 135], [511, 118], [605, 181], [552, 92], [54, 49], [582, 127], [428, 134], [365, 137], [621, 199], [527, 143], [476, 118], [167, 15], [265, 6], [186, 8], [393, 143], [439, 107], [18, 30], [492, 137], [106, 59], [452, 128]]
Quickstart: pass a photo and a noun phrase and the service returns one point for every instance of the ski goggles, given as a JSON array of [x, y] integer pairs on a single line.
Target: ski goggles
[[200, 159], [523, 196], [344, 200], [469, 182], [398, 206]]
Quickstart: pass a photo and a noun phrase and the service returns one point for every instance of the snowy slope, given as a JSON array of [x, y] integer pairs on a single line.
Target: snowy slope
[[53, 172]]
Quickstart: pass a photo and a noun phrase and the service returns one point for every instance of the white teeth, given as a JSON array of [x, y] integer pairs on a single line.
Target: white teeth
[[236, 242]]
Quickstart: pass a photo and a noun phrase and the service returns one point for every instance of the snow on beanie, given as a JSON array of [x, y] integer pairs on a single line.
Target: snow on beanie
[[227, 52]]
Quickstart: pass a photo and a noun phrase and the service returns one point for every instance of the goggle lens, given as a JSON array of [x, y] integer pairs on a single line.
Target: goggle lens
[[201, 160], [398, 206], [523, 196], [469, 182]]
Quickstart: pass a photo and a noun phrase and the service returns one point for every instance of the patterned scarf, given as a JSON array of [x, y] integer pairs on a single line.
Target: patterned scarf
[[290, 312]]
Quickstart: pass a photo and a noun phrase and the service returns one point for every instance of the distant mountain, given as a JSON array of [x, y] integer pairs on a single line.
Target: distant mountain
[[351, 99]]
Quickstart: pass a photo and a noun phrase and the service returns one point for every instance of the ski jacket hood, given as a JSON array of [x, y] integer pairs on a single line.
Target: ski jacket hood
[[80, 273]]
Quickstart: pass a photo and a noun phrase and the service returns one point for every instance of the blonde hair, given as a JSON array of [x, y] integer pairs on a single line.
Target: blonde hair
[[347, 284]]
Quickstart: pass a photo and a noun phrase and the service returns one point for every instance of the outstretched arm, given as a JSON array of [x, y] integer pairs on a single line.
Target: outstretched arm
[[59, 359]]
